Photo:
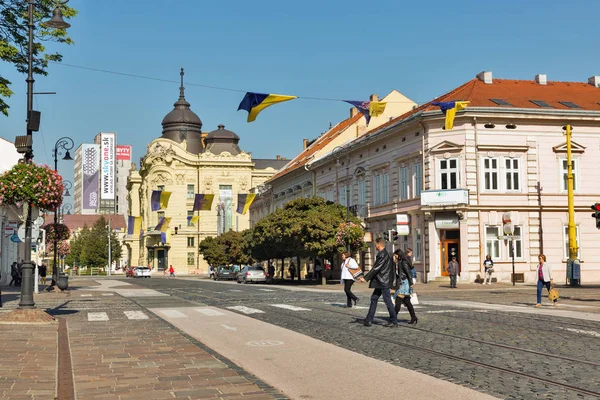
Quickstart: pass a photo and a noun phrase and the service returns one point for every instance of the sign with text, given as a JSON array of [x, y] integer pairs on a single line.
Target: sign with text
[[123, 152], [90, 166], [402, 224], [107, 169], [444, 197]]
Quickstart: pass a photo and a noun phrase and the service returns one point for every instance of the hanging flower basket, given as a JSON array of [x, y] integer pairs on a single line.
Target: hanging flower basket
[[61, 231], [31, 183], [63, 248], [349, 234]]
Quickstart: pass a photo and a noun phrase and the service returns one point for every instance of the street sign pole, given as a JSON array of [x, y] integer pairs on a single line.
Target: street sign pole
[[512, 246]]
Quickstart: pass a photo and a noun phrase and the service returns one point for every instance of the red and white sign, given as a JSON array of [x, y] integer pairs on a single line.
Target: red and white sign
[[124, 152], [11, 227], [402, 224]]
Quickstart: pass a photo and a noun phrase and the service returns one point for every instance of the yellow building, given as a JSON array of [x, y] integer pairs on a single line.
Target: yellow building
[[186, 161]]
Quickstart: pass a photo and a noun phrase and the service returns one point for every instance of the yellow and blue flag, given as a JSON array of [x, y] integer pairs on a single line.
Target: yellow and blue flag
[[163, 224], [254, 103], [244, 202], [134, 225], [449, 109], [193, 219], [203, 202], [159, 200], [368, 108]]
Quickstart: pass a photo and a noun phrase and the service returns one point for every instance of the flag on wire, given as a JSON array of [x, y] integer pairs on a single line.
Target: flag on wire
[[449, 109], [203, 202], [159, 200], [244, 201], [134, 225], [254, 103], [368, 108], [163, 224], [193, 219]]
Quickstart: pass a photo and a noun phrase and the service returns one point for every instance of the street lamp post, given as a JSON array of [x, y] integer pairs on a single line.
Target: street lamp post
[[26, 143], [61, 148]]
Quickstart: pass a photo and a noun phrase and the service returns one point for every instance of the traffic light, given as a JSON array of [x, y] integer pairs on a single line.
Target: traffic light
[[394, 235], [596, 214], [386, 236]]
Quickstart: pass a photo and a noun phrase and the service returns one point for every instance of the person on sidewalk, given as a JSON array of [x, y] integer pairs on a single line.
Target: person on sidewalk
[[488, 264], [404, 285], [413, 272], [43, 273], [453, 271], [292, 270], [544, 279], [381, 278], [350, 270], [171, 272], [311, 269], [271, 272], [318, 270]]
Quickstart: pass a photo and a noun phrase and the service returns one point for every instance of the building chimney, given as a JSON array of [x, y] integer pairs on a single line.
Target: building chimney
[[353, 111], [594, 81], [541, 79], [374, 97], [278, 157], [485, 77], [304, 144]]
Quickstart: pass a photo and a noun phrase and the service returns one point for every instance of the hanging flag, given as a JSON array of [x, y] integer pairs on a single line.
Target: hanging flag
[[163, 224], [203, 202], [256, 102], [134, 225], [163, 237], [368, 108], [449, 109], [159, 200], [193, 219], [376, 108], [244, 202]]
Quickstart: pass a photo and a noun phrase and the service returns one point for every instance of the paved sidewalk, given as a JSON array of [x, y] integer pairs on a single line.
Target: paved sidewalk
[[130, 354]]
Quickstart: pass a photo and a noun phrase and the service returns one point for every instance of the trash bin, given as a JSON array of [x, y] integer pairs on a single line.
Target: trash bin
[[63, 281]]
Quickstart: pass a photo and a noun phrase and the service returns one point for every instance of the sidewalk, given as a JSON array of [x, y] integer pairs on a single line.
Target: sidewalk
[[130, 356]]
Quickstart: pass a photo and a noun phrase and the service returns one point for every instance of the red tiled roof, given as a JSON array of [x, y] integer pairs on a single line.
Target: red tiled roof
[[76, 221], [301, 159]]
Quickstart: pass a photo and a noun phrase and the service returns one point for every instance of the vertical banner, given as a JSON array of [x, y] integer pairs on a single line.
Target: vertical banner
[[226, 200], [90, 165], [107, 180], [123, 152]]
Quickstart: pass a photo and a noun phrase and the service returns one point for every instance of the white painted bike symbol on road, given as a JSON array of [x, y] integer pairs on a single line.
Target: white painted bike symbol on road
[[264, 343]]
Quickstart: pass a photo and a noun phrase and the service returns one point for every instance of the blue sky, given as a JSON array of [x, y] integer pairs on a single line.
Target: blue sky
[[333, 49]]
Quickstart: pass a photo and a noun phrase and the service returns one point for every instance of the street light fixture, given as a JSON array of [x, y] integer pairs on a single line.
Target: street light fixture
[[24, 145]]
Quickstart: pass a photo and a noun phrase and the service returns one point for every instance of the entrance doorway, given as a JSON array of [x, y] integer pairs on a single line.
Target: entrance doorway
[[449, 247], [161, 256]]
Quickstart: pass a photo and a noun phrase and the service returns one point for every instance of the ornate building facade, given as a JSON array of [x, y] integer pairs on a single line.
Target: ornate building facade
[[186, 161]]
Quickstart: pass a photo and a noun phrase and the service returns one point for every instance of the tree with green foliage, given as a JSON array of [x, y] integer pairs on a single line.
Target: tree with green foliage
[[228, 248], [78, 247], [94, 245], [14, 39], [213, 251]]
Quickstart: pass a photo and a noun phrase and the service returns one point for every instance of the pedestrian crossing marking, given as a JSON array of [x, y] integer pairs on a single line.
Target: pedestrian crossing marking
[[135, 315], [246, 310], [108, 294], [209, 312], [236, 290], [290, 307], [173, 314], [97, 316], [86, 295], [267, 290]]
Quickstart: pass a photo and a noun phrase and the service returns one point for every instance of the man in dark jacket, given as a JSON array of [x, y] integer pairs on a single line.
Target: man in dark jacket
[[381, 278]]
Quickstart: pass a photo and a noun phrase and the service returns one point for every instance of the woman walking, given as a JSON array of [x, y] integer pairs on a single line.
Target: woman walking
[[544, 279], [350, 271], [488, 264], [403, 286]]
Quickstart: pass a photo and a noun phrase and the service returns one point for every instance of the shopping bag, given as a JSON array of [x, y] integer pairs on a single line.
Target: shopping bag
[[553, 294], [414, 299]]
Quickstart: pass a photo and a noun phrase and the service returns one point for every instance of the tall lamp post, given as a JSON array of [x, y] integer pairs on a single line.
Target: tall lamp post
[[24, 144]]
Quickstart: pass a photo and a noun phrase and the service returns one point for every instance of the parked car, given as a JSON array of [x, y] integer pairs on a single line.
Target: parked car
[[252, 273], [142, 272], [129, 272], [224, 273]]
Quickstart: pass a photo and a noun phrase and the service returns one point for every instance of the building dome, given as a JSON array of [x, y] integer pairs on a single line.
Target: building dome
[[183, 124], [221, 140]]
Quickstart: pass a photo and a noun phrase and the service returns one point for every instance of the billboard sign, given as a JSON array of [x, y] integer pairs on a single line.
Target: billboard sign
[[90, 165], [107, 169], [124, 152]]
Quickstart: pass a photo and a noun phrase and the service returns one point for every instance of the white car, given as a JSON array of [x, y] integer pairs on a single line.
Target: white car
[[142, 272], [251, 274]]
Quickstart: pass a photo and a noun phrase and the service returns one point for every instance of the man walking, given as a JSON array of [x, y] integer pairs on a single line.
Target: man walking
[[453, 271], [381, 278]]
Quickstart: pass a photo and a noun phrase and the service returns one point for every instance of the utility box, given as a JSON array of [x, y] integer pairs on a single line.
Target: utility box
[[574, 272]]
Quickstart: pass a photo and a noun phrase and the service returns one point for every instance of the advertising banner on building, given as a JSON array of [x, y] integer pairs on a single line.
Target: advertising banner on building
[[107, 169], [124, 152], [90, 165]]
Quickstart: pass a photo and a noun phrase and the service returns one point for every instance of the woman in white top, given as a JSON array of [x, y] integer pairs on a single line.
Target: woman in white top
[[350, 271], [544, 279]]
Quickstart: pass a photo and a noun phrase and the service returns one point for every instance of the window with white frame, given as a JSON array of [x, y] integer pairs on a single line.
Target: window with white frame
[[566, 241], [512, 174], [329, 196], [418, 180], [377, 190], [362, 192], [565, 174], [518, 243], [403, 183], [448, 174], [190, 192], [384, 188], [490, 173], [492, 243], [417, 244], [343, 195]]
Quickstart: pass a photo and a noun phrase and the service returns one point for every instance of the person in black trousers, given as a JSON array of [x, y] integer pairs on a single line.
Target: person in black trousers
[[404, 284], [381, 278], [349, 270]]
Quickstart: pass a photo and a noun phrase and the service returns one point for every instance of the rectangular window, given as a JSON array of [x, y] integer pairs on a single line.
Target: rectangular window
[[190, 192], [190, 241], [449, 174], [418, 179], [329, 196], [384, 188], [518, 243], [565, 174], [343, 196], [512, 174], [161, 187], [376, 190], [189, 219], [490, 173], [403, 183], [191, 258], [566, 242], [417, 244], [362, 192], [492, 243]]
